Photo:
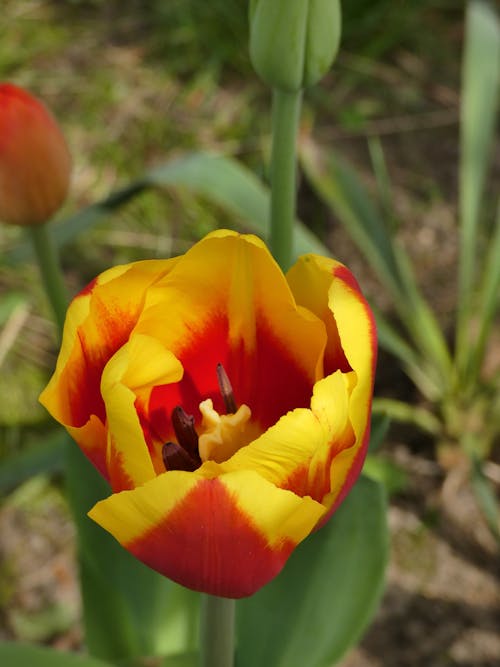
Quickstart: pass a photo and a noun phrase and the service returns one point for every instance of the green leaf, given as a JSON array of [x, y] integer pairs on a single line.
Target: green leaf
[[406, 413], [184, 660], [42, 624], [231, 185], [480, 89], [46, 456], [486, 497], [190, 659], [417, 368], [221, 179], [320, 604], [338, 185], [13, 654], [379, 428], [9, 303], [68, 229], [488, 302], [383, 470], [129, 610], [382, 177]]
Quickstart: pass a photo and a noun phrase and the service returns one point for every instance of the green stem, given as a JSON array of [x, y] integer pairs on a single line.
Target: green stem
[[285, 121], [217, 632], [50, 269]]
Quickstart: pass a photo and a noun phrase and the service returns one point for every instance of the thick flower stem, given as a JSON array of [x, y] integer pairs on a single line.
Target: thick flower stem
[[217, 632], [285, 121], [50, 270]]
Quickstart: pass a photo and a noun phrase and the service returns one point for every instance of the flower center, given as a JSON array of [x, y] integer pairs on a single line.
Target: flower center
[[220, 435]]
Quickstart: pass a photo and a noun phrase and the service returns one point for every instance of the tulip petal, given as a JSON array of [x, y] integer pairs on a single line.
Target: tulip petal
[[99, 321], [358, 335], [227, 302], [303, 451], [310, 279], [128, 377], [330, 291], [224, 535]]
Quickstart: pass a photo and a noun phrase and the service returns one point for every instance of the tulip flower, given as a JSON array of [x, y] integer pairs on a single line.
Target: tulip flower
[[227, 404], [35, 163]]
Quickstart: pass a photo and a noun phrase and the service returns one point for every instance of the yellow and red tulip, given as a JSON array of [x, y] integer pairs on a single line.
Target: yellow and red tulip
[[227, 404], [35, 164]]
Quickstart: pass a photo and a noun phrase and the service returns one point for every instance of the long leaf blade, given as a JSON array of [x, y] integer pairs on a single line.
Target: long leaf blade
[[221, 179], [13, 654], [130, 610], [337, 184], [341, 189], [46, 456], [233, 186], [320, 604], [480, 89], [488, 301]]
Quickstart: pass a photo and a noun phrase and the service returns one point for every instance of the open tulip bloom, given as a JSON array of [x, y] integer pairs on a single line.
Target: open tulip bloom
[[228, 405]]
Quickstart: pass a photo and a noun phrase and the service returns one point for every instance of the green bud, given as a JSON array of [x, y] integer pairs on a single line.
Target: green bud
[[293, 43]]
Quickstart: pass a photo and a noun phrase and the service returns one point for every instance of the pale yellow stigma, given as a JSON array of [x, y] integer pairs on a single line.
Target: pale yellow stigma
[[222, 435]]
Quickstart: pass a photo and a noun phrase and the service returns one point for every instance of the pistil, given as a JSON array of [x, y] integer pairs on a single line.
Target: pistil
[[185, 453], [226, 390]]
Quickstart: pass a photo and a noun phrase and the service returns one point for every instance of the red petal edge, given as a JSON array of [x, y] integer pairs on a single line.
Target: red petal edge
[[207, 544]]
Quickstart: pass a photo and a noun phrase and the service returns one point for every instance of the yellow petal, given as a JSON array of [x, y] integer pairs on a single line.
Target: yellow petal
[[358, 336], [310, 279], [329, 290], [139, 365], [99, 321], [302, 452], [228, 302], [225, 535]]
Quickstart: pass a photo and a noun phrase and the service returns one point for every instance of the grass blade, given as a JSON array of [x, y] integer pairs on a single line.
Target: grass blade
[[418, 369], [488, 302], [338, 185], [481, 80], [399, 411]]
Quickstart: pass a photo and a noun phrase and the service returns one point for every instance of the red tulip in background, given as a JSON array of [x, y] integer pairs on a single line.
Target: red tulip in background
[[35, 163], [227, 404]]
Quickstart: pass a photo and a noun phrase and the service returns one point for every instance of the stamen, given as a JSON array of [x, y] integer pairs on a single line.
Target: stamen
[[176, 457], [185, 431], [226, 389]]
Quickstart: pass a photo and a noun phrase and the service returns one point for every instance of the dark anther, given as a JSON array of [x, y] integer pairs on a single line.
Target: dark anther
[[185, 431], [226, 389], [176, 457]]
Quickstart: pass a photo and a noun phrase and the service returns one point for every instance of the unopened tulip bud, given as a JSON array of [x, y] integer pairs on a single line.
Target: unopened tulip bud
[[35, 163], [293, 43]]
